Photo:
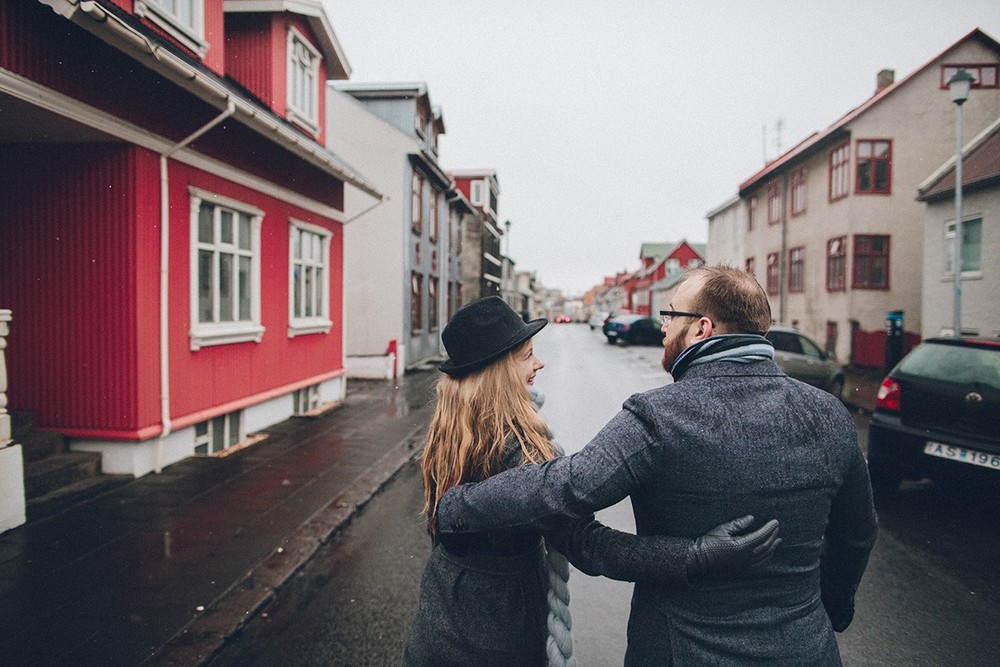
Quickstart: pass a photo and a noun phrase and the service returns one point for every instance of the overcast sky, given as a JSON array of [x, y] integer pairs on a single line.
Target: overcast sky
[[615, 123]]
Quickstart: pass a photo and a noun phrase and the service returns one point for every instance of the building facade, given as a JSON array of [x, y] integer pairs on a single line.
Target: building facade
[[170, 245], [833, 229], [980, 277], [404, 255]]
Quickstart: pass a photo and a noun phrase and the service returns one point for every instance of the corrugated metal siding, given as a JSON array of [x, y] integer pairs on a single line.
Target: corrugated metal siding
[[67, 271], [247, 37], [217, 375]]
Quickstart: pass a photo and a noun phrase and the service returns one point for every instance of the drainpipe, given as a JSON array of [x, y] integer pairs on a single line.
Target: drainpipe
[[165, 274]]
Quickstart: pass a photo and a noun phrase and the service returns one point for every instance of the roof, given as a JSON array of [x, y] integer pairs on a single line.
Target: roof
[[315, 14], [838, 130], [119, 28], [980, 166]]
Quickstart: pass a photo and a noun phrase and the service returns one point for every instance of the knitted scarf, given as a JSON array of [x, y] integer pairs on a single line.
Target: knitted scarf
[[559, 645], [741, 348]]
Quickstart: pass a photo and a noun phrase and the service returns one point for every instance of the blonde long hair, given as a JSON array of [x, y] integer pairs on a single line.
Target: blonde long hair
[[474, 418]]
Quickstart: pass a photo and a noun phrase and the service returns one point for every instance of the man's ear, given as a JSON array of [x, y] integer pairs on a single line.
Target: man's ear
[[704, 329]]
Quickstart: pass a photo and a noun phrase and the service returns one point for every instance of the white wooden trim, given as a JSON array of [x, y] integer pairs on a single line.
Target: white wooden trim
[[116, 128]]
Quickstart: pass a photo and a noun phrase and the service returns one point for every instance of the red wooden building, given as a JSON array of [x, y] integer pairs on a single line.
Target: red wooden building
[[170, 222], [660, 260]]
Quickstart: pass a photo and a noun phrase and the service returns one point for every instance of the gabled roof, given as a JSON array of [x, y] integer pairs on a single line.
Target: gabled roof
[[656, 250], [838, 130], [121, 29], [980, 166], [315, 14]]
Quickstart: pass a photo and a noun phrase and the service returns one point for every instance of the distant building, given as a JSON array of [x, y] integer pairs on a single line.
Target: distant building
[[403, 257], [482, 255]]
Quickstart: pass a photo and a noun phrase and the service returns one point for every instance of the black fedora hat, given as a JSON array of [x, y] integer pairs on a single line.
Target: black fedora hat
[[483, 331]]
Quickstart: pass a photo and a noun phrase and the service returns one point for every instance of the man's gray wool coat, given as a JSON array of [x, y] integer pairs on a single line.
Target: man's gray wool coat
[[727, 439]]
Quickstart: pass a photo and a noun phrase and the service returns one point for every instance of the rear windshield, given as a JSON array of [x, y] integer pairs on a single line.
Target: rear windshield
[[954, 363]]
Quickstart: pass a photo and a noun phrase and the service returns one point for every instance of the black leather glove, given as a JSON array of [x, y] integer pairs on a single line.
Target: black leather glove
[[724, 550], [840, 609]]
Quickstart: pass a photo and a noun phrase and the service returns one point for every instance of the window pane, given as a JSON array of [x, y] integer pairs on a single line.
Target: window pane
[[244, 314], [309, 288], [205, 286], [226, 228], [244, 231], [864, 149], [881, 175], [225, 288], [206, 233], [218, 434], [234, 429], [297, 291], [318, 301], [864, 176], [972, 241]]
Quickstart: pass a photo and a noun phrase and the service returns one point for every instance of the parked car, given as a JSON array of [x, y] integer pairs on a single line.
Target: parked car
[[633, 329], [937, 414], [801, 358], [597, 319], [611, 316]]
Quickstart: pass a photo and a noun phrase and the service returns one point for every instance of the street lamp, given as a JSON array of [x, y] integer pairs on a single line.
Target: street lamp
[[959, 85]]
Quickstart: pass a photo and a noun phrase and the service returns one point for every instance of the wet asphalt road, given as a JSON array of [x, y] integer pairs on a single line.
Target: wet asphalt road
[[931, 595]]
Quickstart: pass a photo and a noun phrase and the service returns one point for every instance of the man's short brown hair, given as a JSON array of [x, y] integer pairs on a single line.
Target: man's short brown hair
[[732, 299]]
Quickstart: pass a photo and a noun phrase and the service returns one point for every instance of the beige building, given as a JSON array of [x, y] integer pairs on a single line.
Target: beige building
[[833, 228]]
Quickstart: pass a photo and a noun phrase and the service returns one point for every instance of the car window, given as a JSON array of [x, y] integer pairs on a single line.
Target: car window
[[809, 348], [953, 363], [784, 341]]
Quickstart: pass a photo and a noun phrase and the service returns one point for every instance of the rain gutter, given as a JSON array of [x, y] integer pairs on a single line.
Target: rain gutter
[[209, 88], [165, 275]]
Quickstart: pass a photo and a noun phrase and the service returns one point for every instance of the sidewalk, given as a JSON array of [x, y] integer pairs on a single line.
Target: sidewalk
[[161, 570]]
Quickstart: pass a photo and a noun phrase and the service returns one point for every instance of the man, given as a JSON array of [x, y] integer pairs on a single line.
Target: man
[[731, 435]]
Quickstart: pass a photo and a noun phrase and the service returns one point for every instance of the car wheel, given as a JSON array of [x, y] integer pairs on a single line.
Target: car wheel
[[837, 387], [612, 340], [884, 477]]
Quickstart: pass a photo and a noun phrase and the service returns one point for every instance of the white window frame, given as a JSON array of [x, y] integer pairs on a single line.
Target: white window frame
[[204, 334], [221, 426], [302, 79], [949, 245], [189, 33], [477, 192], [319, 321]]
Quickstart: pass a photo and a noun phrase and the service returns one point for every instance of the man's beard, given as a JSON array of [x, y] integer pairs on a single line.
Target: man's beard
[[672, 348]]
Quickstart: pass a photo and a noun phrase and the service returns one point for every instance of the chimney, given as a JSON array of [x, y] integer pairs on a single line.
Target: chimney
[[885, 78]]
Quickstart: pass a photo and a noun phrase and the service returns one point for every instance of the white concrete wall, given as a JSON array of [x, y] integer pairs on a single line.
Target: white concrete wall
[[376, 275], [980, 312]]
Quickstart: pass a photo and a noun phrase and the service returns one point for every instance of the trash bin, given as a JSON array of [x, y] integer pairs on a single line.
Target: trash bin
[[893, 338]]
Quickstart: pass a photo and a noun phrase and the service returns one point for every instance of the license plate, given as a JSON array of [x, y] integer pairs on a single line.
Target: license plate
[[612, 334], [963, 455]]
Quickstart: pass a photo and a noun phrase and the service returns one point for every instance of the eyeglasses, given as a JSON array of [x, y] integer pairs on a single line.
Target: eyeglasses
[[667, 315]]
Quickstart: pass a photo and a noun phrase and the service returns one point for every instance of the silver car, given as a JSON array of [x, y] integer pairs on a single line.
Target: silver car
[[801, 358]]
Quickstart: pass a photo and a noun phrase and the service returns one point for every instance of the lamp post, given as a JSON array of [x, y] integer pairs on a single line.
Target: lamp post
[[958, 85]]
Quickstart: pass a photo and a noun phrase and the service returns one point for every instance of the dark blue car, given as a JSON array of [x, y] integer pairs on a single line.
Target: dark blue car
[[634, 330]]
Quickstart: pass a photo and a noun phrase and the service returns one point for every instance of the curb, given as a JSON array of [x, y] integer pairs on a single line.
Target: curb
[[207, 632]]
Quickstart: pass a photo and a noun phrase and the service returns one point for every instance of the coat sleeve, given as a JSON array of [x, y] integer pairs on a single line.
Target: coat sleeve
[[849, 539], [541, 497], [598, 550]]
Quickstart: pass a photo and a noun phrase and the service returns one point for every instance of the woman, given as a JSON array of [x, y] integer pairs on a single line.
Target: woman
[[483, 596]]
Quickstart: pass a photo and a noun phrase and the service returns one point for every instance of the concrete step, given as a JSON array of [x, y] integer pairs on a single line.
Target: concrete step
[[67, 496], [48, 474], [38, 445]]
